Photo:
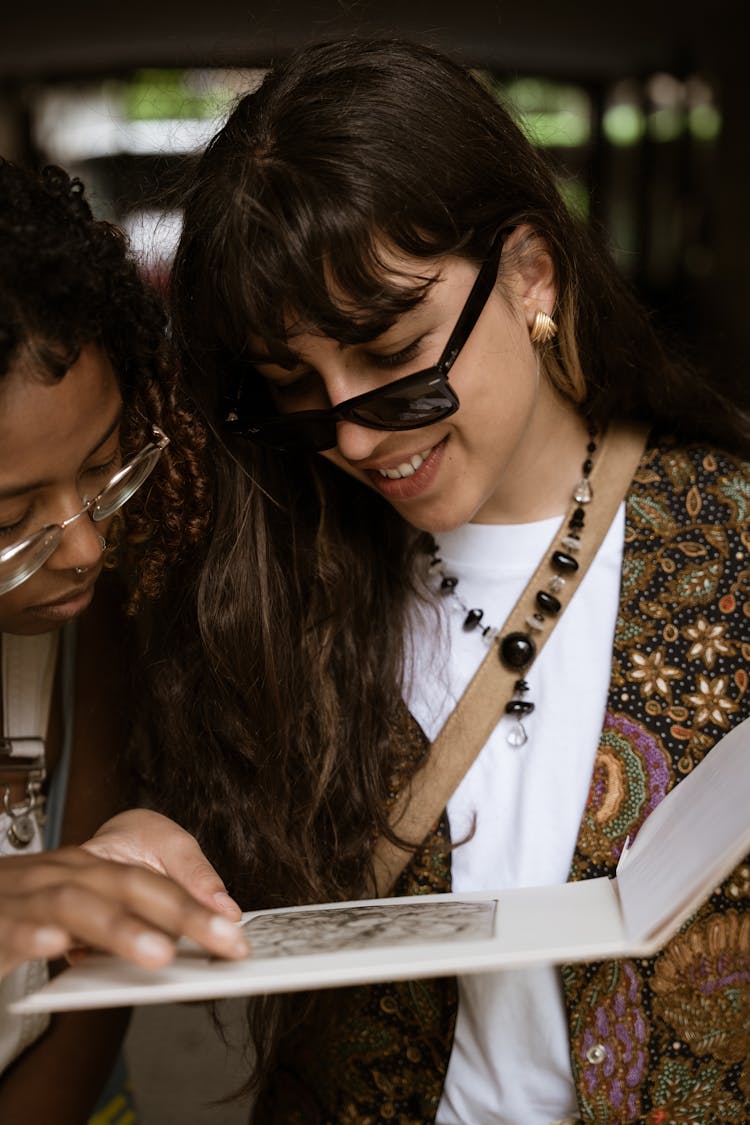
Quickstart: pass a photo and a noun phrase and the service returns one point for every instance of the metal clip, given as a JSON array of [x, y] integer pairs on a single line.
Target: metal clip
[[24, 817]]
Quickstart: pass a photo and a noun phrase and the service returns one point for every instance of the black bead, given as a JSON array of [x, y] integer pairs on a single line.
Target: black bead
[[588, 465], [591, 447], [517, 650], [519, 707], [564, 562], [448, 583], [548, 602], [521, 685], [472, 619]]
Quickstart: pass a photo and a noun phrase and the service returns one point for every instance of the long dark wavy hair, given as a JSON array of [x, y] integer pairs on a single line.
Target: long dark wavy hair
[[67, 280], [277, 669]]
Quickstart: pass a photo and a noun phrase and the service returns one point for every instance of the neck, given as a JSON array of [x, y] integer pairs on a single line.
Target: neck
[[543, 468]]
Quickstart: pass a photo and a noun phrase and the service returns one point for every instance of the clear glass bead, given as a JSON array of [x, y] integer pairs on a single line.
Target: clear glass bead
[[582, 493], [517, 735]]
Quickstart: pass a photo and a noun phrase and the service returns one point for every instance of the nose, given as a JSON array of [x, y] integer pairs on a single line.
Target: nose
[[80, 546], [357, 443]]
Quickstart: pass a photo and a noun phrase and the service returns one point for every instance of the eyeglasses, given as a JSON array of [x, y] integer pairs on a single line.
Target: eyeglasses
[[410, 403], [19, 562]]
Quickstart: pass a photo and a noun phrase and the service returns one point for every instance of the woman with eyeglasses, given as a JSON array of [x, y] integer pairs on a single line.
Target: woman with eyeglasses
[[434, 404], [84, 392]]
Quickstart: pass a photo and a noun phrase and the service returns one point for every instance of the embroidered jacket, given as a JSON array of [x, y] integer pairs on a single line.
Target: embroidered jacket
[[656, 1040]]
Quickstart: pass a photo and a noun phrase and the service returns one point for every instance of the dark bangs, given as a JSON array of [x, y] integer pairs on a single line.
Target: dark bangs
[[292, 252], [301, 202]]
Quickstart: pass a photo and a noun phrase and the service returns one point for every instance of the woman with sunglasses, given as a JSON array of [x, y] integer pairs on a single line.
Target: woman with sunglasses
[[433, 403], [84, 394]]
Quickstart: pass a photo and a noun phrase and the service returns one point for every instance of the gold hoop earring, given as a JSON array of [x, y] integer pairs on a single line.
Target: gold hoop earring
[[543, 329]]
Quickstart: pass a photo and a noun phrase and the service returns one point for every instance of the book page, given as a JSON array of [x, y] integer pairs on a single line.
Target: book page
[[691, 840], [350, 943], [289, 933]]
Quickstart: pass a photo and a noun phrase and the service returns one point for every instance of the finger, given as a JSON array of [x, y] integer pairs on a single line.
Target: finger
[[159, 900], [122, 909], [23, 941], [92, 919], [29, 873]]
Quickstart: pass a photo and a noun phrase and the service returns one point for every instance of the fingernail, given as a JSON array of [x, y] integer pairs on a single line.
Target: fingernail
[[228, 932], [225, 903], [223, 928], [48, 939], [153, 947]]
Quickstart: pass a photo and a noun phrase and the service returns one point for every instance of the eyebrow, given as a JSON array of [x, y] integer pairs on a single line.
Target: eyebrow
[[32, 486]]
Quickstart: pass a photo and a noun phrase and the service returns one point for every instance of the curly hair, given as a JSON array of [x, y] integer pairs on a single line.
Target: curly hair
[[67, 280]]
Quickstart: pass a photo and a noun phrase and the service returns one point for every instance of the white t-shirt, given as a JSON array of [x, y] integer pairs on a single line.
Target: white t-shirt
[[511, 1058]]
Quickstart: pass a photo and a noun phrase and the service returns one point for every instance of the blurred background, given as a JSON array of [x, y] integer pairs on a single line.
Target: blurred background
[[641, 104]]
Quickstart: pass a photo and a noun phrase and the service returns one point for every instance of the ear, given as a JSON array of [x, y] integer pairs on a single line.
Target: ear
[[532, 270]]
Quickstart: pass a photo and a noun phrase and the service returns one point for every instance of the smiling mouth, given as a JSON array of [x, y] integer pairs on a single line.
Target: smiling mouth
[[406, 468]]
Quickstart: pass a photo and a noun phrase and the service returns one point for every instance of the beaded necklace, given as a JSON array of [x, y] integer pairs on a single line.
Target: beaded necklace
[[517, 650]]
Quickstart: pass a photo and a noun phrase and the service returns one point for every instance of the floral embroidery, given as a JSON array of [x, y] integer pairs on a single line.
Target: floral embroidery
[[631, 775], [709, 641], [701, 984], [739, 887], [653, 513], [696, 972], [691, 576], [613, 1026], [676, 1089], [695, 585], [637, 572], [652, 674], [712, 703], [736, 491]]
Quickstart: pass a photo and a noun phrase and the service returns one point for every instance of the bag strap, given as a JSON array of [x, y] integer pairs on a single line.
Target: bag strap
[[28, 672], [483, 702]]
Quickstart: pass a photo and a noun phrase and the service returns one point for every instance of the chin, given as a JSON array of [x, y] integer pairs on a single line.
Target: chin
[[436, 523]]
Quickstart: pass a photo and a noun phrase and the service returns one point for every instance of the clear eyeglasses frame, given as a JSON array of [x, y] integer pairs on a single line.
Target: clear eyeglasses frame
[[19, 561]]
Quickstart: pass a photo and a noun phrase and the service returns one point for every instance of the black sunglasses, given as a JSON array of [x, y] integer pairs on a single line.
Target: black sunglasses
[[417, 400]]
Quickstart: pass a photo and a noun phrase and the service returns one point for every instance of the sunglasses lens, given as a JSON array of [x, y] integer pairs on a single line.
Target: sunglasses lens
[[288, 433], [408, 404], [408, 407]]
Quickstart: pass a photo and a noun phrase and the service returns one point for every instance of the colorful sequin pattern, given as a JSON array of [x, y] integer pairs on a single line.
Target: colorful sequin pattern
[[659, 1041]]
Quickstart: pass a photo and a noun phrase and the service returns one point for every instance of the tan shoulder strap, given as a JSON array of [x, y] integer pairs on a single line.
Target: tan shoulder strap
[[483, 703]]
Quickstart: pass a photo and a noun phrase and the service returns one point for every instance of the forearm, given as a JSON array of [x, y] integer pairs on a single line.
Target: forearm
[[59, 1078]]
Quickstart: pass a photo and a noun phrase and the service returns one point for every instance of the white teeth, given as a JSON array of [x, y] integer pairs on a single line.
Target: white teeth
[[407, 468]]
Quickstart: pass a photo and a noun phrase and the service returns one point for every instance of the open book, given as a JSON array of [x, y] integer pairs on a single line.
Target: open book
[[688, 844]]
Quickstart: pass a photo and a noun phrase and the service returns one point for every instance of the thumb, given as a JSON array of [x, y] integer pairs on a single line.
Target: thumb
[[149, 839], [190, 868]]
